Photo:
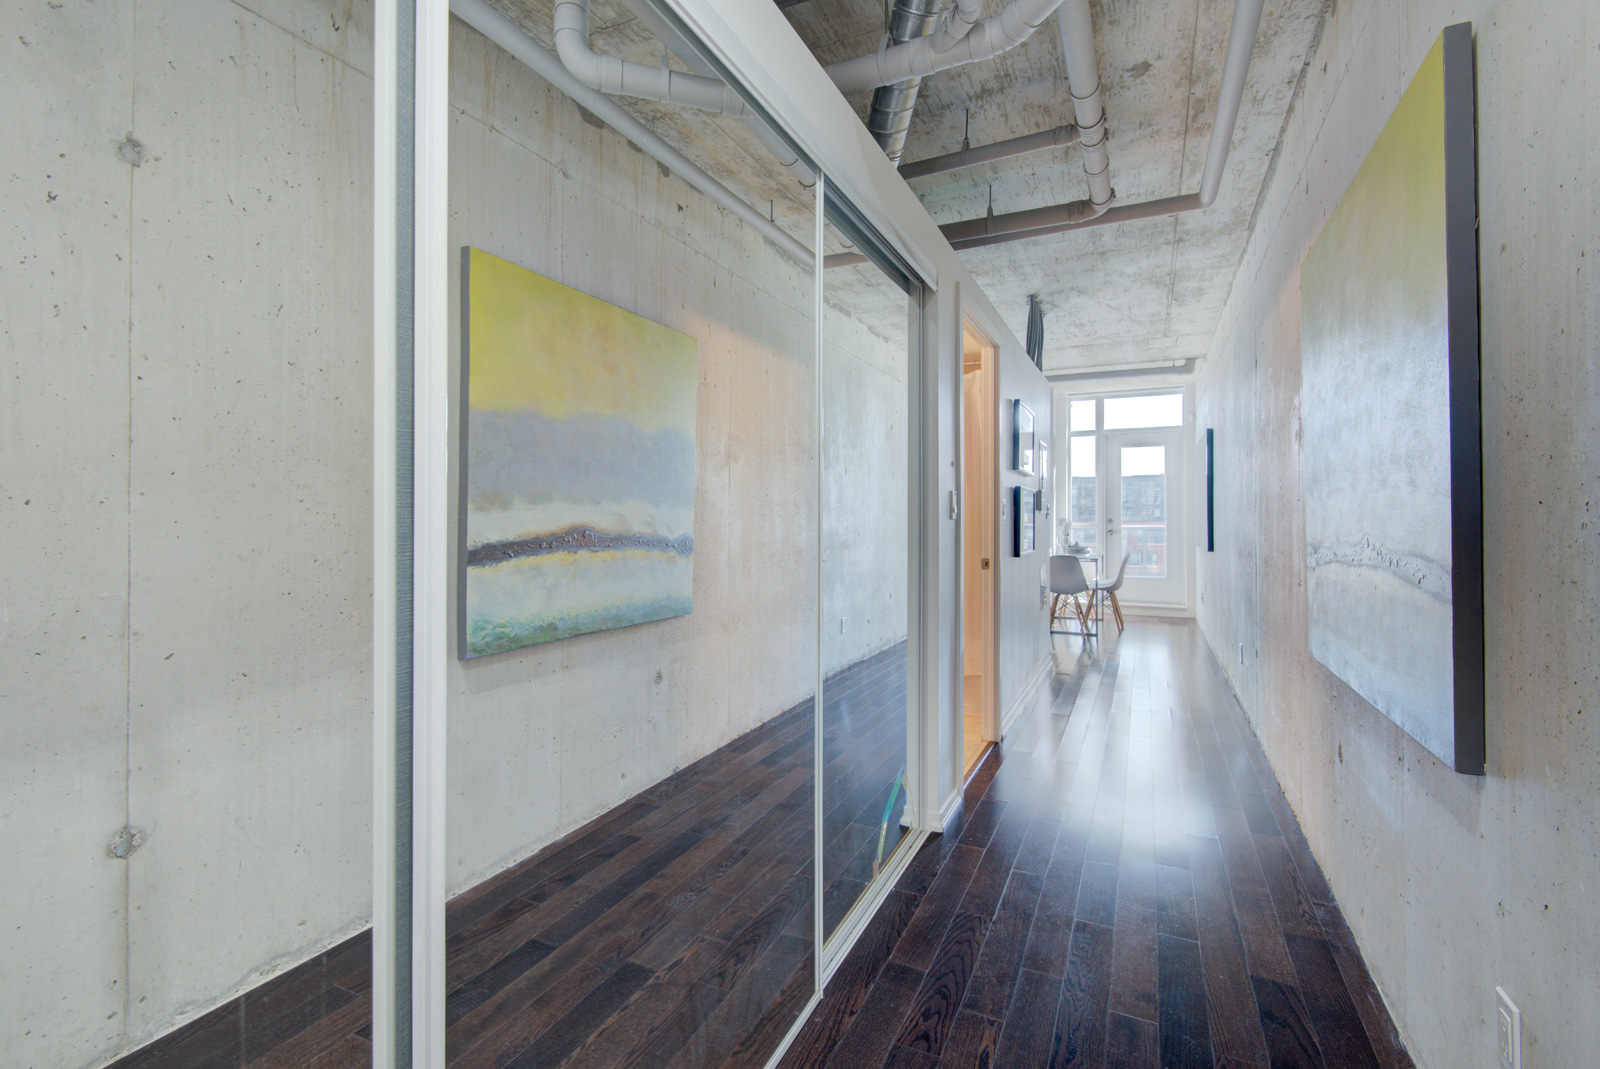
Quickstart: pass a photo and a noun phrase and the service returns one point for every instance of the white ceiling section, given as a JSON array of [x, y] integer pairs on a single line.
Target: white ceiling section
[[1136, 293]]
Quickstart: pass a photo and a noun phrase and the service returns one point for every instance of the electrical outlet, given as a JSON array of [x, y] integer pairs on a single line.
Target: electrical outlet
[[1508, 1031]]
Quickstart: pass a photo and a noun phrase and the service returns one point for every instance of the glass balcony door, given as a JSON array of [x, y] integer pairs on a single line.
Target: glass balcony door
[[1143, 514]]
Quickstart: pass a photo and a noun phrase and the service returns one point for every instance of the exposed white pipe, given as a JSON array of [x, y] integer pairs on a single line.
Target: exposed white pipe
[[956, 24], [610, 74], [918, 58], [1241, 43], [668, 35], [1083, 82], [1037, 222], [509, 36]]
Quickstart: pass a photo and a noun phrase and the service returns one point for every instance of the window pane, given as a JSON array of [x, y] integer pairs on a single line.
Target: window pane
[[1144, 510], [1081, 416], [1081, 504], [869, 342], [1160, 410]]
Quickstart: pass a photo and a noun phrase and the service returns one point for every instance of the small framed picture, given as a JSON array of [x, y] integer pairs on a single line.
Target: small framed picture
[[1022, 509], [1022, 439]]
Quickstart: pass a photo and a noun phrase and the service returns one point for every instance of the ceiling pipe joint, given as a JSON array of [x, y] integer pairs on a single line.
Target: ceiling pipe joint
[[623, 77], [1056, 220], [987, 38]]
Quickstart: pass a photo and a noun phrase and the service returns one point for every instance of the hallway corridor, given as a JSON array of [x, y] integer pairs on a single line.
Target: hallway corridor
[[1124, 886]]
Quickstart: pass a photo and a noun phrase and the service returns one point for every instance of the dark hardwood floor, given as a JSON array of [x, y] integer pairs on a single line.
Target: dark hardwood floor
[[1124, 887], [673, 931]]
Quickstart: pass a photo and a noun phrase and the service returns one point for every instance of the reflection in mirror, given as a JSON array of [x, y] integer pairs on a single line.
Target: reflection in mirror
[[868, 342], [631, 814]]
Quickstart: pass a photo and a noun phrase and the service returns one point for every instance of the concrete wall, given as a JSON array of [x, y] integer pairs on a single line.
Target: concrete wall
[[1452, 884], [184, 601], [185, 476]]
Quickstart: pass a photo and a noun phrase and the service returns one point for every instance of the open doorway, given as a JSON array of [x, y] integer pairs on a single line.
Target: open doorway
[[980, 477], [1129, 501]]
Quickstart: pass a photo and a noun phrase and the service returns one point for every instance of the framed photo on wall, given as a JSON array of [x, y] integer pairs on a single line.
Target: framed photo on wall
[[1022, 438], [1022, 510]]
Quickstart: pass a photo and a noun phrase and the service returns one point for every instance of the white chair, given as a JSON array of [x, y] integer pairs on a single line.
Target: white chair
[[1067, 582], [1108, 591]]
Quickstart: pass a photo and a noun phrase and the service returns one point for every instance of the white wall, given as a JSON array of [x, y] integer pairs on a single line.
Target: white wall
[[1452, 884], [1024, 621]]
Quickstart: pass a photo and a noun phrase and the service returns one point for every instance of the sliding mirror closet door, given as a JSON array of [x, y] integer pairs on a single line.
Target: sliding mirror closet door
[[630, 814], [870, 338], [187, 566]]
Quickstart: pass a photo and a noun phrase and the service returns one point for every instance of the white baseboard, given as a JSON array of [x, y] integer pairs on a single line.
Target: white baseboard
[[1132, 609], [1011, 714]]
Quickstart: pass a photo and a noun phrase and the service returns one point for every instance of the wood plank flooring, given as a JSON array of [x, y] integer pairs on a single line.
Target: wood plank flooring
[[674, 931], [1125, 886]]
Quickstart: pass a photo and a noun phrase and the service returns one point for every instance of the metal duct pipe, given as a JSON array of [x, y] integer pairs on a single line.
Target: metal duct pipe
[[508, 36], [919, 58], [1083, 82], [1058, 219], [892, 105], [1038, 222], [622, 76], [968, 156]]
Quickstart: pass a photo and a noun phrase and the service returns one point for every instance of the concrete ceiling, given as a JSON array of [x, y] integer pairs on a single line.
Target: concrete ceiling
[[1132, 293]]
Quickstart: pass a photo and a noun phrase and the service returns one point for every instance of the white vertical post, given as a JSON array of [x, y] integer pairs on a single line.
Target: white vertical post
[[431, 558], [385, 527], [817, 884]]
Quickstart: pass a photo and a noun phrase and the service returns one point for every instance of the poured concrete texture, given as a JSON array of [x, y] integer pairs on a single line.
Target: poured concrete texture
[[64, 311], [1132, 293], [1452, 884]]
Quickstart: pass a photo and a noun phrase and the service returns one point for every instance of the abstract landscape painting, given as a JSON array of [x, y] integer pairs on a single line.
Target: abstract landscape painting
[[577, 488], [1389, 410]]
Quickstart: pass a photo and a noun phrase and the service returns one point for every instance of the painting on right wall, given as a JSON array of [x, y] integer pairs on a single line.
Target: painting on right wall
[[1390, 414]]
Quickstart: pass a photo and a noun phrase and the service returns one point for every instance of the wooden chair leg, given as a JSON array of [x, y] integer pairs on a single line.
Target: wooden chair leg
[[1116, 608]]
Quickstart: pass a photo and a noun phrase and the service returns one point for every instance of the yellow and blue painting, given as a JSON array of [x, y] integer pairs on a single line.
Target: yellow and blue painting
[[578, 462], [1376, 424]]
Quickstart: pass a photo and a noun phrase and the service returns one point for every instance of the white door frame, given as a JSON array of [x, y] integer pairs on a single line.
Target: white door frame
[[1179, 489], [989, 717]]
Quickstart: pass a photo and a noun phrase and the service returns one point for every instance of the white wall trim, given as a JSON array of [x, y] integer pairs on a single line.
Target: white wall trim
[[866, 907], [1012, 714]]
